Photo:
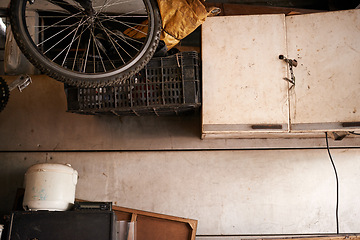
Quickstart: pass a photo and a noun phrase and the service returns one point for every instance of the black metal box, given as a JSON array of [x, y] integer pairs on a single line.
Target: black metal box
[[65, 225]]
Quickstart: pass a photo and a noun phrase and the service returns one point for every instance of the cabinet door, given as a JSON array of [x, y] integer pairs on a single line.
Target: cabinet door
[[243, 86], [326, 95]]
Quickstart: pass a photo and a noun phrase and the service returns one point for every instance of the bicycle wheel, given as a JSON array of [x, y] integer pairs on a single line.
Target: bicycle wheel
[[87, 42]]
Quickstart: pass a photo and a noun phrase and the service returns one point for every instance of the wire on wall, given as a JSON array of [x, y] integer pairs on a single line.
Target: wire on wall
[[337, 184]]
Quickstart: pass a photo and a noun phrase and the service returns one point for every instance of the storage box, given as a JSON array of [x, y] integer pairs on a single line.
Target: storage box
[[166, 86]]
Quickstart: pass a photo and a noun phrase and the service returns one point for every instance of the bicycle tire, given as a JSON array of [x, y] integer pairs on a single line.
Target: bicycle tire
[[64, 40]]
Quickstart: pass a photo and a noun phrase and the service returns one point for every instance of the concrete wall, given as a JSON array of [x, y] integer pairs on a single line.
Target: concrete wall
[[233, 187]]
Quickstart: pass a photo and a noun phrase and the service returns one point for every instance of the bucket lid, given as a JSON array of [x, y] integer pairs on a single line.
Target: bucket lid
[[51, 167]]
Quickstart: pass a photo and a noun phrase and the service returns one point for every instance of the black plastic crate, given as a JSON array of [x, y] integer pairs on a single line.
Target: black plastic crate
[[166, 86]]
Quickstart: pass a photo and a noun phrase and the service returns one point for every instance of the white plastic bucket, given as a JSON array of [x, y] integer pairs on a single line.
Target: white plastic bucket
[[50, 186]]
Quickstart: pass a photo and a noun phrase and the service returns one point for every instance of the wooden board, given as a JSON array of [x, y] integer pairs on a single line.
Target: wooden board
[[158, 226]]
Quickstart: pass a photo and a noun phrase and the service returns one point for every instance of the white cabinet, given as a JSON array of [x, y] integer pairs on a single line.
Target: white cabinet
[[327, 91], [244, 91]]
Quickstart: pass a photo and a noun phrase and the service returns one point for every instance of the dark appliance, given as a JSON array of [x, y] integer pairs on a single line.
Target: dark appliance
[[62, 225]]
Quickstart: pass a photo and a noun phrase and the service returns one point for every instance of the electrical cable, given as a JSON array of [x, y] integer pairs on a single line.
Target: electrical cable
[[354, 133], [337, 184]]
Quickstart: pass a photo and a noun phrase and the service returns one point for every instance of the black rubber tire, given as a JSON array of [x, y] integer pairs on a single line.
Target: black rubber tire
[[78, 78]]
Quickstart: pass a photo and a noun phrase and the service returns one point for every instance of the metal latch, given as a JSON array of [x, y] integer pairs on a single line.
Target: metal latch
[[292, 63], [21, 83]]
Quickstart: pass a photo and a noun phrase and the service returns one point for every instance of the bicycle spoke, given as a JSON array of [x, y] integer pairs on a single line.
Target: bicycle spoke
[[112, 42], [106, 18], [58, 42], [93, 52], [59, 22], [60, 51], [124, 36], [87, 54], [94, 58], [120, 38], [131, 12], [57, 26], [121, 35], [101, 7], [102, 62], [110, 5], [65, 5], [124, 23], [69, 47], [129, 16], [41, 43], [107, 32], [77, 47]]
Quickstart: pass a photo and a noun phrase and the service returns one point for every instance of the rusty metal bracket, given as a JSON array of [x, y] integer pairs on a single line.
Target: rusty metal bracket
[[292, 63]]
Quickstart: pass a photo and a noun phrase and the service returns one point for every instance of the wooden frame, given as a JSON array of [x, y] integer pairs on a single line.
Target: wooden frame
[[158, 226]]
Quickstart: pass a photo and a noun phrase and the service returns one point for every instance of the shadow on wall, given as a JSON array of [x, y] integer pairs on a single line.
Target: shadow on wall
[[12, 171]]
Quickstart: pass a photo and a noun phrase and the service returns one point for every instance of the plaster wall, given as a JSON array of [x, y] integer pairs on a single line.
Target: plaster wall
[[228, 192], [233, 187]]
